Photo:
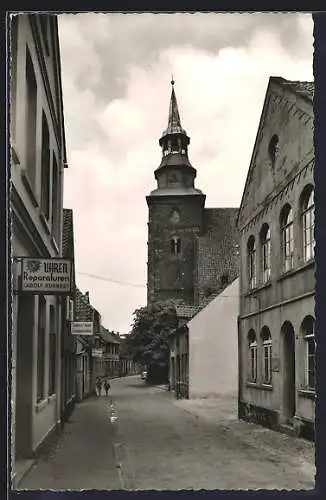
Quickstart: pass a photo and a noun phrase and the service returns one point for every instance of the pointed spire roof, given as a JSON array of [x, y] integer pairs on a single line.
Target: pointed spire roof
[[174, 123]]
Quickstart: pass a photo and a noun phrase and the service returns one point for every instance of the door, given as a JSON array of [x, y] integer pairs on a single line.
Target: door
[[289, 383]]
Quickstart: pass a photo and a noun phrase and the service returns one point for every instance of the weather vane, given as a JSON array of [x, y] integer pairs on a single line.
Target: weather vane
[[172, 81]]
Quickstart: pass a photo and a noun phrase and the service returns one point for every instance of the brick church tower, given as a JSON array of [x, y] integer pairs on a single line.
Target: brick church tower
[[176, 218]]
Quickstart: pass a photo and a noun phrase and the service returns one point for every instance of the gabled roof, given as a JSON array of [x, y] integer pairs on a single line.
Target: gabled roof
[[68, 233], [83, 310], [108, 336], [195, 310], [185, 311], [301, 88], [304, 89]]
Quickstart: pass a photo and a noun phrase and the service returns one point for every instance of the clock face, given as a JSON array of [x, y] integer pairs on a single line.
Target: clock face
[[175, 217]]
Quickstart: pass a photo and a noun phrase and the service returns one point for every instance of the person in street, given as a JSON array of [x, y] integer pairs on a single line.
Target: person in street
[[98, 386], [106, 387]]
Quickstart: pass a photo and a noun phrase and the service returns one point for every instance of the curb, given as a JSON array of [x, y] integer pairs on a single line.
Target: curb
[[18, 477]]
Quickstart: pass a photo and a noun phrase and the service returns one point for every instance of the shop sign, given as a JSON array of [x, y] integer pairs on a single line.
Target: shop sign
[[46, 276], [81, 328]]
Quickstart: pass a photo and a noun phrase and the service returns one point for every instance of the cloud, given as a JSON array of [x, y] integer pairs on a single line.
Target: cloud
[[116, 73]]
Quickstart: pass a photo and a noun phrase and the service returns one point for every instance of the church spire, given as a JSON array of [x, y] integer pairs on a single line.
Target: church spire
[[174, 123], [174, 139]]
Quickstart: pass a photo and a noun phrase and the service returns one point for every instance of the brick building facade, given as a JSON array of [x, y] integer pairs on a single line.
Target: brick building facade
[[192, 250]]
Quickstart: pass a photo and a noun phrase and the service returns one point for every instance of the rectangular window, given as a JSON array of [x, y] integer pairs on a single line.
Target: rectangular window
[[252, 269], [13, 72], [45, 172], [52, 351], [266, 260], [253, 362], [310, 362], [41, 348], [44, 22], [267, 362], [308, 234], [55, 200], [31, 113], [288, 247]]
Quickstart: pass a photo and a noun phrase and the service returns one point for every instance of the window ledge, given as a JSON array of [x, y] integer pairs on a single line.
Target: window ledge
[[29, 188], [42, 404], [307, 393], [252, 291], [292, 272], [52, 397], [54, 244], [45, 223], [255, 385]]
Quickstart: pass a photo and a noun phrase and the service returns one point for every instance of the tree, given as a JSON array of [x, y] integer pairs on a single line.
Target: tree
[[148, 341]]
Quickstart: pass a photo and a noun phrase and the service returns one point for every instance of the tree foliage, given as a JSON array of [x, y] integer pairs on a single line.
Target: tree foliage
[[148, 340]]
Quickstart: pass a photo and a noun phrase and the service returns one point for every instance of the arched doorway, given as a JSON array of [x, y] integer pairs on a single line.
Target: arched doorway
[[288, 372]]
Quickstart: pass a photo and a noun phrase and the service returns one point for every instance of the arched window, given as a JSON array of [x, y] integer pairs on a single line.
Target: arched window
[[286, 222], [265, 242], [251, 252], [308, 333], [267, 349], [308, 223], [175, 245], [252, 345]]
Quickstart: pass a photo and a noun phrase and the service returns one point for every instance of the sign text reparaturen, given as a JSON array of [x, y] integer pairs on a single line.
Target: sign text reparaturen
[[46, 276]]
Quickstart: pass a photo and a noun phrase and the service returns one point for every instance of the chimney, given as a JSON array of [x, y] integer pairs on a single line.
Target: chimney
[[87, 296]]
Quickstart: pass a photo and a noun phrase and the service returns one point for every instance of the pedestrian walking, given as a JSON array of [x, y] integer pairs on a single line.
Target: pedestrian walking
[[98, 386], [106, 387]]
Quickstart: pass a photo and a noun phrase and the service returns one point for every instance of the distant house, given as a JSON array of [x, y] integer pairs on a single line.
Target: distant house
[[84, 312], [277, 282], [204, 349], [108, 363], [69, 342]]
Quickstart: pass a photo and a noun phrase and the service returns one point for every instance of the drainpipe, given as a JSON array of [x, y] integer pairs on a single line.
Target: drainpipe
[[60, 318], [240, 364]]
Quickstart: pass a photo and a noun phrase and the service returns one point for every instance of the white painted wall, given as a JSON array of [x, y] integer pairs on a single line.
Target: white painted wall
[[213, 346]]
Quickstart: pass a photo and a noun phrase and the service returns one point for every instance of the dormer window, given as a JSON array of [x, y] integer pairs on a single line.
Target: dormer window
[[175, 245]]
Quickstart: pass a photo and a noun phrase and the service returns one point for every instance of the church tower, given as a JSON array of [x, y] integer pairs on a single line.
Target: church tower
[[176, 215]]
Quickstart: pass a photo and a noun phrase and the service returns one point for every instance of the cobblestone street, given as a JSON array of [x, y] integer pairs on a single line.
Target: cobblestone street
[[140, 437]]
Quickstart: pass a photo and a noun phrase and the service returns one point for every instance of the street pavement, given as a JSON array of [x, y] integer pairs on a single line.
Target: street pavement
[[142, 438]]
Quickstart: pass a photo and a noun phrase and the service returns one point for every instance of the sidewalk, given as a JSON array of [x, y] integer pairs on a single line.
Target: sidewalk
[[82, 457], [222, 411]]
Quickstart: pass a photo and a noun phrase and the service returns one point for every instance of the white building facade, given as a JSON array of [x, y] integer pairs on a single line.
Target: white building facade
[[38, 158], [204, 350], [213, 346]]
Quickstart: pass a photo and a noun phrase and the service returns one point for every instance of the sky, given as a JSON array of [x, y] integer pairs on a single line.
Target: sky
[[116, 73]]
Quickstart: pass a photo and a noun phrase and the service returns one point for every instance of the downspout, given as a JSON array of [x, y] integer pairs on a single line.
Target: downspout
[[61, 309], [240, 364]]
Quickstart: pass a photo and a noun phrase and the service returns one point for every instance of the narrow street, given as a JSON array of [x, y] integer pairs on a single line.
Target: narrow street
[[140, 437]]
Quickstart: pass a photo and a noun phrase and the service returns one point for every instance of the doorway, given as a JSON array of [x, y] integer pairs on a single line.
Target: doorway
[[288, 372], [24, 377]]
